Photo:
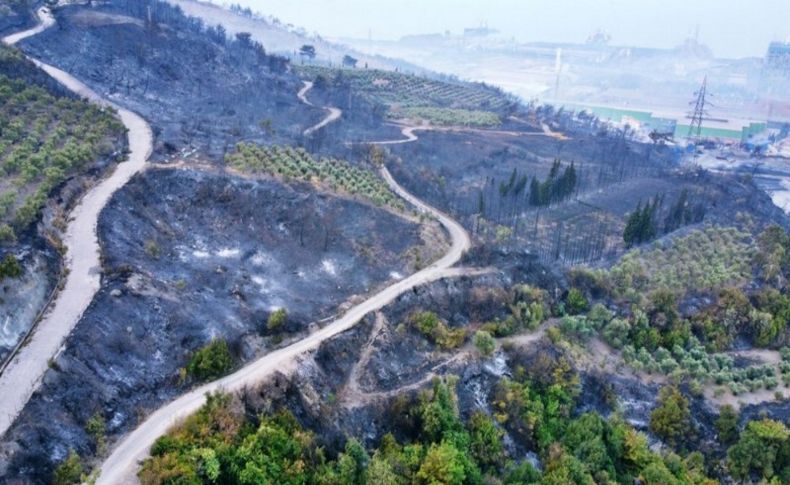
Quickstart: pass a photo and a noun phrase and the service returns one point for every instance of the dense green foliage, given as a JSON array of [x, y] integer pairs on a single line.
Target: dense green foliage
[[727, 424], [44, 139], [528, 309], [435, 330], [671, 418], [447, 116], [484, 342], [717, 261], [773, 255], [220, 444], [576, 302], [296, 163], [763, 449], [705, 259], [210, 362]]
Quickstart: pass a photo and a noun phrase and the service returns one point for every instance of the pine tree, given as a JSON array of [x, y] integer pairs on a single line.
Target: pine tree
[[631, 226], [534, 192]]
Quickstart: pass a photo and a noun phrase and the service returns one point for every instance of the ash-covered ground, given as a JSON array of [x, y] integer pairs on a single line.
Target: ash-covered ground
[[191, 256], [197, 88]]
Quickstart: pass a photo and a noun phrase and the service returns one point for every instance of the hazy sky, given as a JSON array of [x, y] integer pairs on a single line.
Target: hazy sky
[[732, 28]]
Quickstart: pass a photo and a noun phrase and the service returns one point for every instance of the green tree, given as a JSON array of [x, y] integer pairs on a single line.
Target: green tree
[[616, 332], [276, 320], [671, 419], [97, 429], [484, 342], [352, 463], [576, 302], [562, 468], [486, 441], [523, 474], [727, 424], [439, 412], [211, 361], [10, 267], [380, 471], [599, 316], [443, 465], [69, 471], [7, 235], [656, 473], [763, 447]]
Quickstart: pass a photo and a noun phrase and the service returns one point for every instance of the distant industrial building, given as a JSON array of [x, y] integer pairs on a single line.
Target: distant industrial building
[[778, 57], [481, 31]]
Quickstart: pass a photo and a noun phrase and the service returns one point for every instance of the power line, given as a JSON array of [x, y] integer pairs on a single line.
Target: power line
[[700, 110]]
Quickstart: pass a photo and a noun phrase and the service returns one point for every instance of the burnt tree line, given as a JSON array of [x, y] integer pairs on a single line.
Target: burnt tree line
[[647, 222]]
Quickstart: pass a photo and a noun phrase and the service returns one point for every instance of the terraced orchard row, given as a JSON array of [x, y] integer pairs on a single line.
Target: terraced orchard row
[[44, 139], [447, 116], [704, 259], [398, 89], [296, 163]]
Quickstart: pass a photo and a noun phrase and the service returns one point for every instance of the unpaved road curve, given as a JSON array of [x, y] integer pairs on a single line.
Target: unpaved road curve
[[407, 131], [121, 466], [82, 265], [333, 115]]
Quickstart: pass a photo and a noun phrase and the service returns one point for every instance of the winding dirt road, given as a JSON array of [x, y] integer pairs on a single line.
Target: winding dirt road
[[408, 132], [82, 265], [333, 115], [121, 465]]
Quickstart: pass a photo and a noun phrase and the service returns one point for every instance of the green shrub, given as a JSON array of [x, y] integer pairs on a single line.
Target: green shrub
[[69, 472], [276, 320], [762, 448], [599, 316], [10, 267], [484, 342], [576, 302], [616, 332], [97, 429], [727, 424], [210, 362], [578, 327], [430, 326], [671, 419], [152, 249], [7, 235]]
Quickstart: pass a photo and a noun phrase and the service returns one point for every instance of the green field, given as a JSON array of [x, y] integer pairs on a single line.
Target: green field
[[396, 89], [296, 163], [447, 116]]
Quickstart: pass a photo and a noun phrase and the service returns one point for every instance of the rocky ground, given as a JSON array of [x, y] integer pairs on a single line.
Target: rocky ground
[[191, 256]]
